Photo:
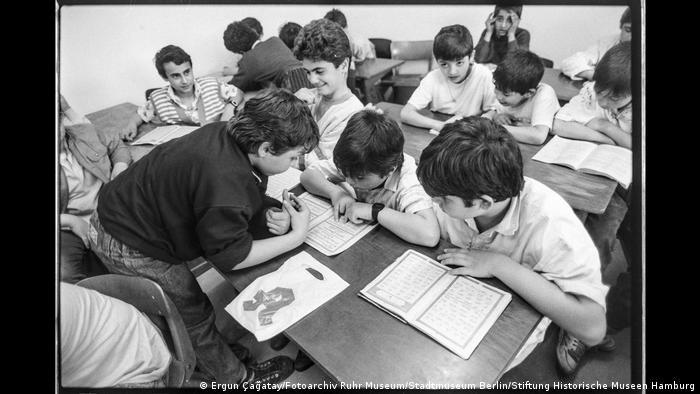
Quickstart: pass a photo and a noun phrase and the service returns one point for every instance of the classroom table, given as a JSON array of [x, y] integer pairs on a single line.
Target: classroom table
[[586, 193], [565, 87], [369, 72]]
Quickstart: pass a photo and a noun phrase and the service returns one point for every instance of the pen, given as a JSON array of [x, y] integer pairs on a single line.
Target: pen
[[287, 196]]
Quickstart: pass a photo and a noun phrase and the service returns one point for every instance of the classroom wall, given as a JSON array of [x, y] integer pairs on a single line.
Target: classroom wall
[[106, 52]]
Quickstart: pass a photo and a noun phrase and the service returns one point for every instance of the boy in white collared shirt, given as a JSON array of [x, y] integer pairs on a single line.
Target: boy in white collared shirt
[[370, 178], [517, 230]]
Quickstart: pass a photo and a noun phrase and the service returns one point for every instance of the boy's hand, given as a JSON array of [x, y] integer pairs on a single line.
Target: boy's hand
[[129, 132], [358, 212], [515, 21], [278, 221], [490, 23], [299, 216], [79, 227], [341, 200], [476, 263], [504, 119], [117, 169], [306, 95]]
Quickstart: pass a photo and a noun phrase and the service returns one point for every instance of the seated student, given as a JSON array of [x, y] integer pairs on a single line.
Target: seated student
[[514, 228], [88, 159], [602, 112], [262, 63], [370, 178], [288, 32], [324, 50], [204, 195], [504, 21], [186, 99], [106, 342], [580, 65], [459, 87], [253, 24], [526, 106]]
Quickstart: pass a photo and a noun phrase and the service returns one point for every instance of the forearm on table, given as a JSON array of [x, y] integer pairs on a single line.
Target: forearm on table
[[410, 115], [613, 132], [263, 250], [535, 135], [420, 228], [578, 315], [577, 131], [316, 183]]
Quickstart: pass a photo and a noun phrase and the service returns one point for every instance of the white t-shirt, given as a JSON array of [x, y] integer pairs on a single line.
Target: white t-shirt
[[473, 96], [587, 60], [106, 342], [584, 107], [331, 125], [538, 110]]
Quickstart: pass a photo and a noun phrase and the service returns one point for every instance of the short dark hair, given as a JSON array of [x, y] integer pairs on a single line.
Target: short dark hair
[[275, 116], [613, 72], [453, 42], [253, 24], [518, 9], [170, 53], [518, 72], [239, 37], [626, 17], [336, 16], [470, 158], [288, 32], [371, 143], [324, 40]]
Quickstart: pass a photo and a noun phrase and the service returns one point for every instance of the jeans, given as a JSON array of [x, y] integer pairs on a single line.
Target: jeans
[[214, 356], [77, 262], [603, 228]]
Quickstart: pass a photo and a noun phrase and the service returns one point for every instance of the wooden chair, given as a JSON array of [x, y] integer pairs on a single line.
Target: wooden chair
[[148, 297], [382, 47], [418, 56]]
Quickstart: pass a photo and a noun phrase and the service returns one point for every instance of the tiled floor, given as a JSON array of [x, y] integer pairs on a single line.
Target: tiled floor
[[539, 367]]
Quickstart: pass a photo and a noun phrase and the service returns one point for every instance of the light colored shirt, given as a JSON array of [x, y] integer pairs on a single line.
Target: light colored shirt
[[473, 96], [330, 126], [147, 112], [537, 110], [106, 342], [83, 186], [584, 107], [401, 191], [361, 47], [587, 60], [541, 232]]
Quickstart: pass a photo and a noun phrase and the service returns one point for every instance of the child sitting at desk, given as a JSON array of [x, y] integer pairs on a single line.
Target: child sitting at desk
[[262, 63], [459, 87], [502, 35], [324, 49], [516, 229], [526, 106], [581, 65], [186, 99], [370, 178], [88, 159], [203, 194]]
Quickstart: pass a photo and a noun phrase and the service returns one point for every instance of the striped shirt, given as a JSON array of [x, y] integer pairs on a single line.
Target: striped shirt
[[401, 191]]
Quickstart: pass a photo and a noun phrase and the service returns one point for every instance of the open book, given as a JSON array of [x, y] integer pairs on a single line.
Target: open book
[[610, 161], [163, 134], [456, 311], [325, 234]]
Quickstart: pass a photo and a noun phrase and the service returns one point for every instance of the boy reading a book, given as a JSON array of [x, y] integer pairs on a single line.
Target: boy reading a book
[[186, 99], [203, 194], [516, 229], [370, 178], [526, 106], [458, 87], [324, 49]]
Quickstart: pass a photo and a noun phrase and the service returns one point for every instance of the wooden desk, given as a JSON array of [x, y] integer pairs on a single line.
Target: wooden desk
[[584, 192], [565, 88], [370, 71], [354, 341]]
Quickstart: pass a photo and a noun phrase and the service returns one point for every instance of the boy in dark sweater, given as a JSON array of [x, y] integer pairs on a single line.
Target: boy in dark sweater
[[204, 195]]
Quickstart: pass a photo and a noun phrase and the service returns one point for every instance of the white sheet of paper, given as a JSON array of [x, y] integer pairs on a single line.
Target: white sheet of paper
[[273, 302], [325, 234], [286, 180], [163, 134]]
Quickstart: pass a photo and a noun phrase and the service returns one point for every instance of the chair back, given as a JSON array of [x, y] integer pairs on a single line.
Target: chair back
[[148, 297], [417, 54], [148, 92], [293, 80], [382, 47], [546, 62]]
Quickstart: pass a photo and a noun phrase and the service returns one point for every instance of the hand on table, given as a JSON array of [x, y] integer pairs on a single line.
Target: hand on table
[[476, 263]]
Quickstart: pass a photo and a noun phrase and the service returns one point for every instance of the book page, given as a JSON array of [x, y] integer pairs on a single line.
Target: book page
[[163, 134], [570, 153], [286, 180], [462, 315], [612, 161], [325, 234]]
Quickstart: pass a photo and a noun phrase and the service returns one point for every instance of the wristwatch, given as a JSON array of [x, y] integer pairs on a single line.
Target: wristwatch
[[376, 207]]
